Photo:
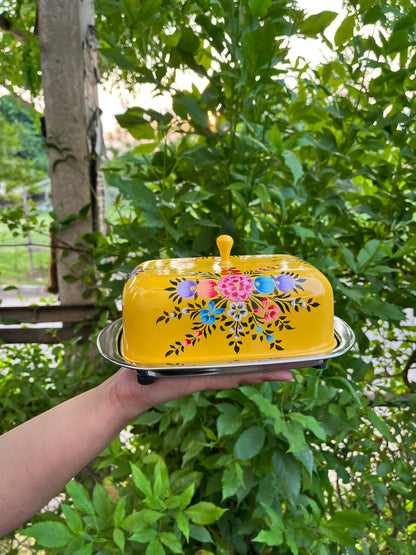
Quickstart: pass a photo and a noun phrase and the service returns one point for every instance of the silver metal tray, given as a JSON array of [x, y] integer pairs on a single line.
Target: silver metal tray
[[109, 341]]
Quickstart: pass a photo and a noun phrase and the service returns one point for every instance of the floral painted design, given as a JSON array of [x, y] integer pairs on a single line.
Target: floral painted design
[[245, 306], [208, 315], [269, 311], [236, 287], [237, 311]]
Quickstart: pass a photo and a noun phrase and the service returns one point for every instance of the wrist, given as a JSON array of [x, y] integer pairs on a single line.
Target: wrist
[[124, 397]]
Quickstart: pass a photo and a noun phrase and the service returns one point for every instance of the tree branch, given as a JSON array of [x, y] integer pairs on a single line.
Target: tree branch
[[405, 374], [7, 27]]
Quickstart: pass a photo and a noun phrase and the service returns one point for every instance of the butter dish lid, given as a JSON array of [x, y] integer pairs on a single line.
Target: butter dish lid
[[226, 314]]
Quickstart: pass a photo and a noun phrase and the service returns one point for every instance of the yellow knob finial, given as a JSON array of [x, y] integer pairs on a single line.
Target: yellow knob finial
[[225, 244]]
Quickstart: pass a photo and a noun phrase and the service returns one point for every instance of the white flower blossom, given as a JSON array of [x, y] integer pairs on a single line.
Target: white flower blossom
[[237, 311]]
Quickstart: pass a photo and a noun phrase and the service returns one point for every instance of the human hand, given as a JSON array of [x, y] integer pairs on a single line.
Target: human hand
[[134, 398]]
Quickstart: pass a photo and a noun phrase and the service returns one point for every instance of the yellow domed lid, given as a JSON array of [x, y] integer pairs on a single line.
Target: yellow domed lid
[[229, 308]]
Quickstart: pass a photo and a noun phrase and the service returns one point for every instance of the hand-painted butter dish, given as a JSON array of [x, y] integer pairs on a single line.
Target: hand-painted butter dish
[[223, 315]]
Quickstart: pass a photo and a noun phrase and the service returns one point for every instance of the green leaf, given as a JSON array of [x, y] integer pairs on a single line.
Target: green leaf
[[232, 480], [204, 512], [73, 520], [188, 408], [119, 538], [370, 254], [183, 525], [345, 31], [250, 443], [275, 138], [292, 162], [155, 548], [132, 116], [80, 497], [120, 511], [200, 534], [349, 258], [148, 418], [140, 195], [340, 525], [186, 105], [161, 485], [145, 148], [306, 458], [302, 232], [287, 474], [186, 496], [172, 40], [49, 534], [382, 309], [380, 493], [171, 541], [137, 126], [337, 534], [257, 45], [373, 15], [296, 437], [407, 249], [267, 408], [145, 536], [259, 8], [398, 41], [384, 468], [140, 481], [101, 501], [140, 520], [273, 537], [69, 278], [381, 426], [317, 23], [310, 423], [196, 195], [229, 421]]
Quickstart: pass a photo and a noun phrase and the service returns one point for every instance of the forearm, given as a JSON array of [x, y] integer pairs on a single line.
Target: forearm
[[39, 457]]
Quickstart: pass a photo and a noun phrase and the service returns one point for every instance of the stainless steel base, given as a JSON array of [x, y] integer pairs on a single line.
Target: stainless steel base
[[109, 341]]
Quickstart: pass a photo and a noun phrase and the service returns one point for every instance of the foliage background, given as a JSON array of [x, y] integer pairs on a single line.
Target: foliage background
[[317, 162]]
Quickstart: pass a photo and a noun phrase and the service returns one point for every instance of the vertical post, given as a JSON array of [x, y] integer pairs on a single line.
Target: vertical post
[[72, 117], [29, 234]]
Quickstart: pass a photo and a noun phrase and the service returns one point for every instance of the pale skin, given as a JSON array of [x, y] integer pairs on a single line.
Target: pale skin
[[40, 456]]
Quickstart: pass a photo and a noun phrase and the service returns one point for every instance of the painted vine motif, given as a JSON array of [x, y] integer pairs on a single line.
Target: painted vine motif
[[246, 306]]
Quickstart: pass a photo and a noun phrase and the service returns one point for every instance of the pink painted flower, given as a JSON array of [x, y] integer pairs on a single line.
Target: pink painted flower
[[236, 287], [270, 312], [198, 333], [186, 342], [207, 288]]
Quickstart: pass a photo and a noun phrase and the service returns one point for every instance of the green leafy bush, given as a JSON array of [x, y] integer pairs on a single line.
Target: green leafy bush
[[323, 169]]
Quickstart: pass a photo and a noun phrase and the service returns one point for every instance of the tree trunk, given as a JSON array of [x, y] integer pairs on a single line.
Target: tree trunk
[[74, 136]]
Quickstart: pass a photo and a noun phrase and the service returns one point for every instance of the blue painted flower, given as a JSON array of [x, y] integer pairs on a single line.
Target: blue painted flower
[[264, 284], [208, 315], [186, 289], [259, 329], [270, 338]]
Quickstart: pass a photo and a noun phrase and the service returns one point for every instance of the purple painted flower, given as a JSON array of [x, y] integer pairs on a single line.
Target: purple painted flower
[[285, 283], [135, 272], [186, 289]]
